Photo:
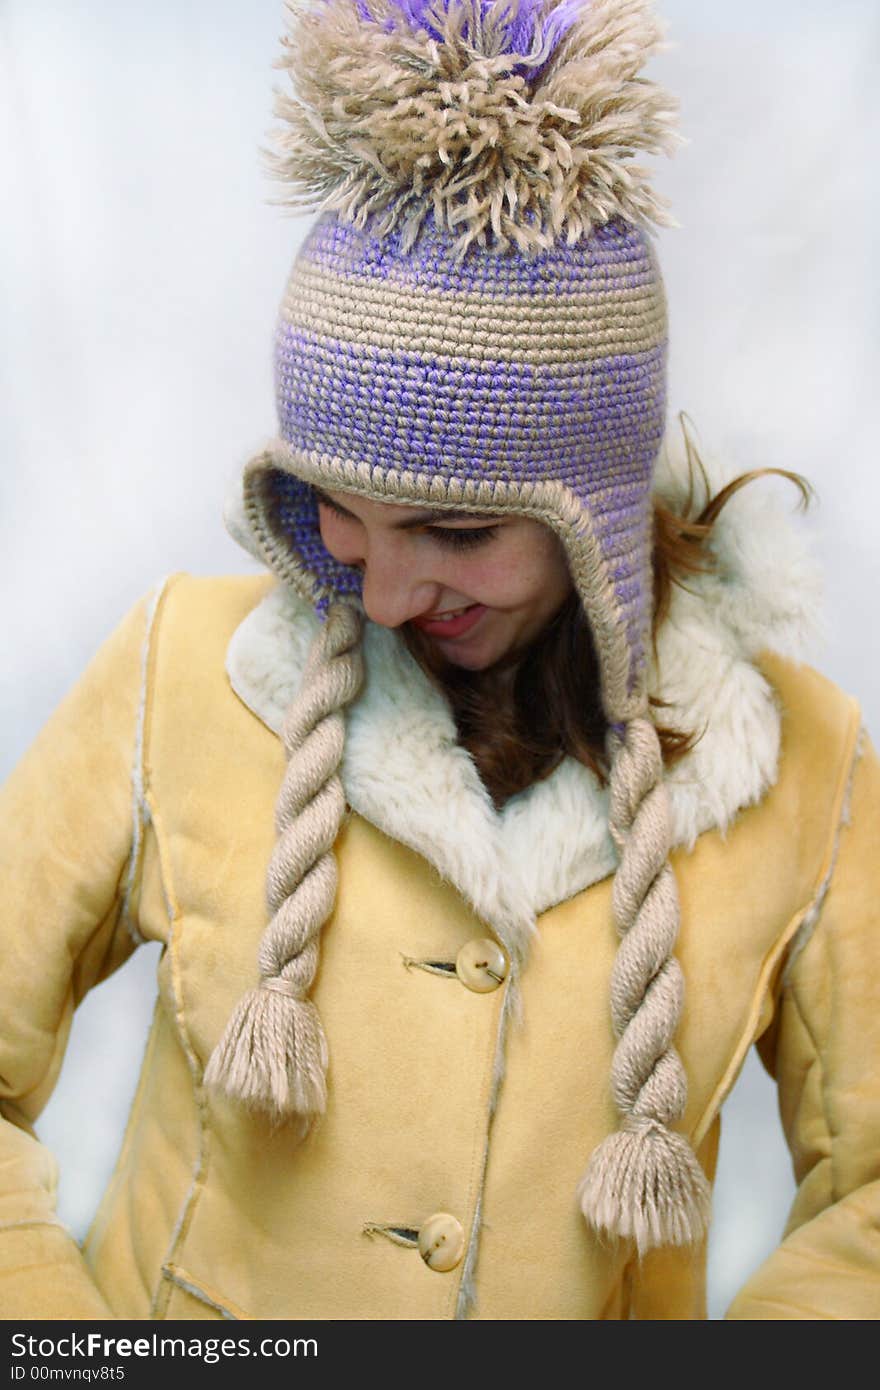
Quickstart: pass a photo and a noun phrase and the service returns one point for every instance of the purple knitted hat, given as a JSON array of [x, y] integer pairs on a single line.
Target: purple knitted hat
[[516, 365], [477, 320], [529, 384]]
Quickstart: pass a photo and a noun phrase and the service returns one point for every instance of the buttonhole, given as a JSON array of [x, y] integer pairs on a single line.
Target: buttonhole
[[399, 1235], [434, 967]]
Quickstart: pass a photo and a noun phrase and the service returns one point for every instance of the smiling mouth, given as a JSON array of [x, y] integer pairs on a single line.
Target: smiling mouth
[[453, 623], [447, 616]]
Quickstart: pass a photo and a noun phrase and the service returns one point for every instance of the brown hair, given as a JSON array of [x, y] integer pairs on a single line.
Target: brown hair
[[520, 717]]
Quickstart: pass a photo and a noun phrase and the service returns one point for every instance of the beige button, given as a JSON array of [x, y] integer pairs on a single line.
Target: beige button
[[441, 1242], [481, 965]]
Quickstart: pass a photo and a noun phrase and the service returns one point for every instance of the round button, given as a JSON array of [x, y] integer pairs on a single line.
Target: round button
[[441, 1242], [481, 965]]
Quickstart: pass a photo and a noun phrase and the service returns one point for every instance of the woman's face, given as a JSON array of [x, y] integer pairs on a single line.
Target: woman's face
[[509, 572]]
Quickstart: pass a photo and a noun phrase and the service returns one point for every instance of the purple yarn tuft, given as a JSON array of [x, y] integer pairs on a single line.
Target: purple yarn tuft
[[531, 29]]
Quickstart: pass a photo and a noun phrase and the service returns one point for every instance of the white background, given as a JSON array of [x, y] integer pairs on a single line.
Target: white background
[[141, 268]]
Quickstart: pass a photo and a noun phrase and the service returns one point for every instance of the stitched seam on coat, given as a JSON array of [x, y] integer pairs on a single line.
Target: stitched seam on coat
[[138, 802], [201, 1155], [466, 1300], [175, 1275], [36, 1221], [771, 960], [802, 940], [187, 1208], [134, 1115], [792, 995], [811, 921]]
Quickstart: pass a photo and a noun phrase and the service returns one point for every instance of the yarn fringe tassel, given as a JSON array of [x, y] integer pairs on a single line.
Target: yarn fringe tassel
[[272, 1056], [645, 1183]]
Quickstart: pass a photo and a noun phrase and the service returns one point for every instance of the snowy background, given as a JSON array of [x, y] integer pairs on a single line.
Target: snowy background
[[140, 271]]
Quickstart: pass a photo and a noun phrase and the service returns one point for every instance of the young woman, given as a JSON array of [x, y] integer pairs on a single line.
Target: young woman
[[423, 1047]]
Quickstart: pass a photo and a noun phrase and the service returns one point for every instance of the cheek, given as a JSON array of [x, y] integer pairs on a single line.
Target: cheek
[[519, 574], [494, 578], [337, 538]]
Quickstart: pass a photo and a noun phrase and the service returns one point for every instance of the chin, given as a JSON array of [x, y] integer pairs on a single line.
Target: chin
[[469, 663], [478, 660]]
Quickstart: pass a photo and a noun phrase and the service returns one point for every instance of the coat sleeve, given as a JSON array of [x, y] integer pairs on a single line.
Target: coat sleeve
[[69, 836], [824, 1052]]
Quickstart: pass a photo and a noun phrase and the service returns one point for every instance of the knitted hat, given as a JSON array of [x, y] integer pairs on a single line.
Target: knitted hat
[[476, 320]]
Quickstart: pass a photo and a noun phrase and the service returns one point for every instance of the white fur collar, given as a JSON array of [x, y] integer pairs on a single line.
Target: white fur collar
[[404, 771]]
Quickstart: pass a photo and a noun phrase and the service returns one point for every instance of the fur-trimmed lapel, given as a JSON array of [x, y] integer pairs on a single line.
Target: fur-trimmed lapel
[[404, 771]]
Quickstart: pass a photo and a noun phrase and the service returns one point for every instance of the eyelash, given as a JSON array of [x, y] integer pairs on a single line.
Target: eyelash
[[463, 539], [456, 540]]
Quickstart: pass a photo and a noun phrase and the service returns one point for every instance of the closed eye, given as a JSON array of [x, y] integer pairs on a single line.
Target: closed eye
[[457, 538], [462, 536]]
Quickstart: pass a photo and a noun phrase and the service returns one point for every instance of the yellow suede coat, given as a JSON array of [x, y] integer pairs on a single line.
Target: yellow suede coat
[[210, 1213]]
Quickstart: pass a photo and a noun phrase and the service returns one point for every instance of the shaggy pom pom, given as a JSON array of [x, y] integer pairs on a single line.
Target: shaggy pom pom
[[644, 1183], [272, 1056], [513, 120]]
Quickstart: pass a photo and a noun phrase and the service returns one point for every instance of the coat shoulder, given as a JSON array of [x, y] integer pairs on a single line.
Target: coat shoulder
[[818, 716], [820, 724], [214, 605], [196, 620]]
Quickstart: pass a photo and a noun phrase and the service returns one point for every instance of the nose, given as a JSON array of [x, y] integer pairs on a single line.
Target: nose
[[397, 584]]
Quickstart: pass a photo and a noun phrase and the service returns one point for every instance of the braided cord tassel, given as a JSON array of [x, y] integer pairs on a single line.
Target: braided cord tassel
[[644, 1182], [273, 1054]]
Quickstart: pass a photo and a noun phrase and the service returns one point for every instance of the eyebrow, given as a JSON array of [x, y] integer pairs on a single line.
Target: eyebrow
[[409, 524]]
